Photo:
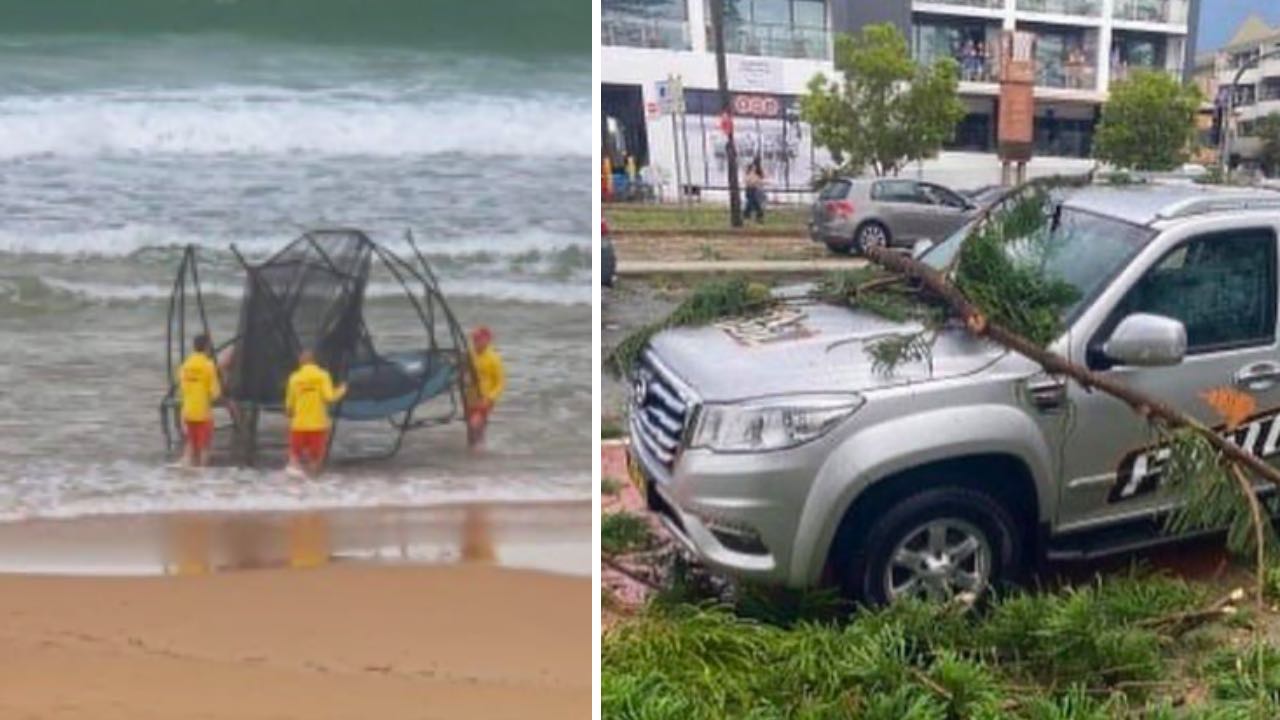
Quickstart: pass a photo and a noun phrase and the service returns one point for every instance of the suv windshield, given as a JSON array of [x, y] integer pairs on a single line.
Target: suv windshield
[[1085, 250]]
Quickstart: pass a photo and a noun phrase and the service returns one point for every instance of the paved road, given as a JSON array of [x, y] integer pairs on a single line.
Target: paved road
[[659, 267]]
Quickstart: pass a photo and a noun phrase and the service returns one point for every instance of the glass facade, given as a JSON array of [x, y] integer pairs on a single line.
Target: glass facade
[[985, 4], [1160, 11], [645, 23], [1137, 51], [776, 28], [1084, 8], [1066, 57], [973, 44]]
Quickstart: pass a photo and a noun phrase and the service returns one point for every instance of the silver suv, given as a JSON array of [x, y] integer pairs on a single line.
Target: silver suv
[[851, 214], [774, 451]]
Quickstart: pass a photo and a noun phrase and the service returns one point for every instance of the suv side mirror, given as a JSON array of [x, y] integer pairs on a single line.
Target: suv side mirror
[[1147, 340], [922, 246]]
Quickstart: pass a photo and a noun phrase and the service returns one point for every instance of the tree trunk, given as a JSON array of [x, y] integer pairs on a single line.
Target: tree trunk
[[1141, 403]]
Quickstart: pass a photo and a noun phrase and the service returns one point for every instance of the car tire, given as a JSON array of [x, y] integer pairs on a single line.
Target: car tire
[[873, 233], [838, 248], [969, 521]]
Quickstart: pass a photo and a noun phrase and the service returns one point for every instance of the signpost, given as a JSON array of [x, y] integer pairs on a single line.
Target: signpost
[[1017, 104], [670, 93]]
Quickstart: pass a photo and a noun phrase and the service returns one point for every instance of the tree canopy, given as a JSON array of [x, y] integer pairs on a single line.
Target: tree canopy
[[884, 109], [1149, 122]]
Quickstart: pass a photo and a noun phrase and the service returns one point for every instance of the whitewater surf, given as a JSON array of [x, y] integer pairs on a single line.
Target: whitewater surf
[[206, 123]]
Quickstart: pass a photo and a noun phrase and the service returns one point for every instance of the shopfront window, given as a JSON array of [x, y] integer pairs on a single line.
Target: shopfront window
[[645, 23], [778, 28]]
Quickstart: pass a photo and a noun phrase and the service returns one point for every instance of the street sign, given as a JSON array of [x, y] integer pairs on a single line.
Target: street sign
[[670, 95]]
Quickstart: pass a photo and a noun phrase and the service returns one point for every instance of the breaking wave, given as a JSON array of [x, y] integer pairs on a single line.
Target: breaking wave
[[248, 121]]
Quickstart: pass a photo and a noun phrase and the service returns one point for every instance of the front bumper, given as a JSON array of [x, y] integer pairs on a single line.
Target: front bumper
[[737, 513]]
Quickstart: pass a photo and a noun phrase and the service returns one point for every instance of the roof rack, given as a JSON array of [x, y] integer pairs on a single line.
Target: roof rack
[[1265, 200]]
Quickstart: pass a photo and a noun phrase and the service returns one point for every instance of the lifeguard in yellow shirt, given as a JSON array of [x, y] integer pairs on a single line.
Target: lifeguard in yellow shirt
[[199, 388], [489, 383], [307, 398]]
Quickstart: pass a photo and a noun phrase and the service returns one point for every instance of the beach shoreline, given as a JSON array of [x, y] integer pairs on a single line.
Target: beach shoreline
[[294, 615], [341, 641]]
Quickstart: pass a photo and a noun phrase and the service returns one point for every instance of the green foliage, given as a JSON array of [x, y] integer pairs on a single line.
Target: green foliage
[[1042, 657], [886, 110], [610, 429], [1000, 270], [711, 301], [610, 486], [1268, 131], [622, 532], [1210, 496], [1148, 123], [888, 353]]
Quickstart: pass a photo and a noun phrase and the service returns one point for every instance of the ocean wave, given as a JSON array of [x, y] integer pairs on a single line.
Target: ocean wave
[[135, 240], [61, 490], [249, 121], [50, 292]]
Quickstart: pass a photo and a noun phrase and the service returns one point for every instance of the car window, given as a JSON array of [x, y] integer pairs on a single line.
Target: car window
[[1222, 287], [943, 196], [905, 191], [835, 190]]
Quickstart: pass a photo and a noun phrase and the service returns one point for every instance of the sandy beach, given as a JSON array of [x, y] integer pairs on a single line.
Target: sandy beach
[[304, 634]]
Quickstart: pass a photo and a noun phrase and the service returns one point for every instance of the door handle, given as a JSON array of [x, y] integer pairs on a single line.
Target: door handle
[[1258, 376]]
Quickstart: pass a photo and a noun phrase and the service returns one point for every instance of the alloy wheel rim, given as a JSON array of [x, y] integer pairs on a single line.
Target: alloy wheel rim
[[939, 560], [873, 236]]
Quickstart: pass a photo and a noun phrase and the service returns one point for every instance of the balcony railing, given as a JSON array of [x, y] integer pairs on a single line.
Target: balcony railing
[[983, 4], [973, 68], [1158, 11], [1124, 72], [1071, 76], [1082, 8], [774, 41], [644, 32]]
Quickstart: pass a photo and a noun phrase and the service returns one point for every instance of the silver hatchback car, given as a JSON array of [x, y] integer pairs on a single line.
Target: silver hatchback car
[[853, 213]]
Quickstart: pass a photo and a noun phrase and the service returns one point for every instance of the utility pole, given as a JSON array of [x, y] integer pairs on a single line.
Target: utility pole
[[726, 111]]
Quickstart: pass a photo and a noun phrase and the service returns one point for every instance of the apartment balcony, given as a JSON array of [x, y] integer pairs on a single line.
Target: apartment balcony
[[786, 41], [628, 30], [1269, 68], [973, 68], [976, 4], [1167, 12], [1124, 72], [1075, 76], [1076, 8]]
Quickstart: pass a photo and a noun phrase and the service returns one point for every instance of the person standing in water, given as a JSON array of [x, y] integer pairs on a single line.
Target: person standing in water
[[307, 398], [198, 381], [490, 381]]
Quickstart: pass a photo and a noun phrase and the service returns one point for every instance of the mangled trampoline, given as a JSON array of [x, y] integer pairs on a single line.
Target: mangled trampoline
[[311, 295]]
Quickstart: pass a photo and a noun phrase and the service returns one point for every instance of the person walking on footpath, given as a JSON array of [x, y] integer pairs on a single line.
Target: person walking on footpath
[[754, 181]]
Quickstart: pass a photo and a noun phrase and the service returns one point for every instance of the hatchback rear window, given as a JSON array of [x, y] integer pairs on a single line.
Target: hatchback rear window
[[835, 190]]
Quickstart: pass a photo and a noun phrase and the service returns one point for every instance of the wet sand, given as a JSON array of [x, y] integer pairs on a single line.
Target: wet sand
[[260, 616]]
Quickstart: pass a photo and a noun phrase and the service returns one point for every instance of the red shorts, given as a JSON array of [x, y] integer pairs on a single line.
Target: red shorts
[[199, 434], [308, 443]]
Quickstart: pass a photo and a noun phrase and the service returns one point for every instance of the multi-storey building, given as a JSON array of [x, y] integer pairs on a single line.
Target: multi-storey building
[[776, 46], [1258, 91]]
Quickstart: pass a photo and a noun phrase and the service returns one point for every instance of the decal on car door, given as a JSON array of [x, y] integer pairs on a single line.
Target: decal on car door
[[1141, 471]]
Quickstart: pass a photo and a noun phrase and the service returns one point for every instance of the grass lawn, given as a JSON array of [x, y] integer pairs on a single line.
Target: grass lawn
[[707, 217]]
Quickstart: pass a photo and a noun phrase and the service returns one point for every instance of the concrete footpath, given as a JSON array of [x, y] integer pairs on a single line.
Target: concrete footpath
[[664, 267]]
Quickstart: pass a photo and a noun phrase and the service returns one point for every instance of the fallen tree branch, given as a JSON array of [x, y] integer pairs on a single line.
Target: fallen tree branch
[[1140, 402], [1224, 605], [618, 567]]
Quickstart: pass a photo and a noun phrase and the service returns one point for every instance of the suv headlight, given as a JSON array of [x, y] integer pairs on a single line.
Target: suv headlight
[[770, 423]]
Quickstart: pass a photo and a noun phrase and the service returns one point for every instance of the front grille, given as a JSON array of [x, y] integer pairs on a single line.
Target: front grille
[[659, 410]]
